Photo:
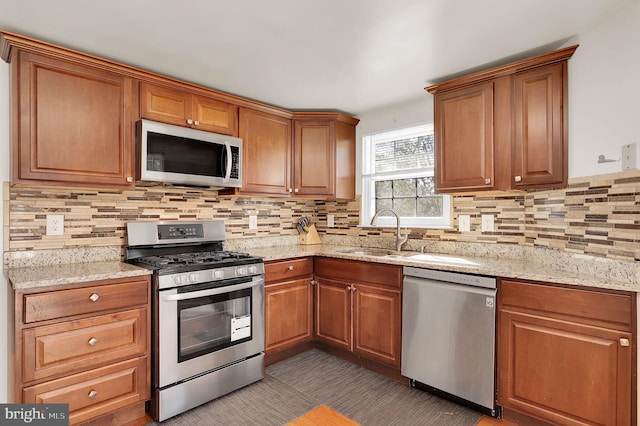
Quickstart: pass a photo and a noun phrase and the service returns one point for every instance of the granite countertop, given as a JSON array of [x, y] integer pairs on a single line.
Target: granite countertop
[[508, 262], [67, 273], [582, 271]]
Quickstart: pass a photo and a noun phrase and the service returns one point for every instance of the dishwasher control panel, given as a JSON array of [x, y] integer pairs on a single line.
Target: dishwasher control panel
[[451, 277]]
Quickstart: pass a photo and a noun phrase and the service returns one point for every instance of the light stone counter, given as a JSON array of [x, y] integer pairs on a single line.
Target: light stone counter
[[68, 273], [526, 263]]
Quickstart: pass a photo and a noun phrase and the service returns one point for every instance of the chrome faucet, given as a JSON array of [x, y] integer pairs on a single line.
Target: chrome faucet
[[400, 239]]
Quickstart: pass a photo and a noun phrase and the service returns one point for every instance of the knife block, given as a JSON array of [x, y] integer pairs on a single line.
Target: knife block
[[310, 237]]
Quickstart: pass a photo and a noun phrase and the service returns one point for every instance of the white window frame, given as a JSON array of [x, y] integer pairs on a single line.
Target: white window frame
[[369, 178]]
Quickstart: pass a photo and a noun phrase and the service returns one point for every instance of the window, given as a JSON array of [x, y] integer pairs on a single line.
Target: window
[[397, 173]]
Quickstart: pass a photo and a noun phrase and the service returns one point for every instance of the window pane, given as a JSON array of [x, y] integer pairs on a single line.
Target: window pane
[[404, 188], [404, 154], [384, 203], [384, 189], [405, 206], [426, 186], [430, 206]]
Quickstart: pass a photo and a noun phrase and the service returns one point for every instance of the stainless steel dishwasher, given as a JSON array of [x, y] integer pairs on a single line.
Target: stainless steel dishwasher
[[448, 335]]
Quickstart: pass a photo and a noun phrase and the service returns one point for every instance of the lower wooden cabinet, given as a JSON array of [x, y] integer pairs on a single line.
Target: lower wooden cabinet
[[288, 304], [358, 308], [565, 356], [86, 345]]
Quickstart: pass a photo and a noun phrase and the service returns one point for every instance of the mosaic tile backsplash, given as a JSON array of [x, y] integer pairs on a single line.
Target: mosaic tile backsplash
[[597, 216]]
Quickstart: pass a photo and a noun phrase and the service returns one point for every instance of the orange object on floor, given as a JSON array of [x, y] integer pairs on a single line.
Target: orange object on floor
[[322, 416]]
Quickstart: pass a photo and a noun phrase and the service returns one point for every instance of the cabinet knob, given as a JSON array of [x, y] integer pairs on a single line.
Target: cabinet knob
[[93, 394], [189, 121], [296, 190], [94, 297], [624, 342], [129, 179], [93, 341], [518, 178], [313, 282], [290, 190], [197, 123], [487, 181], [290, 267]]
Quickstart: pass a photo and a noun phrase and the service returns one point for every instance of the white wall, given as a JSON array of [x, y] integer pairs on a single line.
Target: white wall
[[4, 177], [604, 90]]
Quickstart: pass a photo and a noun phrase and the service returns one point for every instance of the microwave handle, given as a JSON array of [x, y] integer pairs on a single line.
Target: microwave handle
[[227, 174]]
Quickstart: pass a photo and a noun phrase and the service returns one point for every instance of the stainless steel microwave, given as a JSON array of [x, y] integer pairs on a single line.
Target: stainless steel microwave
[[182, 156]]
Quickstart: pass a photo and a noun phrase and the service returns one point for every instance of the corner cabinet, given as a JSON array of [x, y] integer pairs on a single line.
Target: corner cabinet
[[86, 345], [358, 308], [566, 355], [176, 106], [503, 128], [297, 154], [288, 305], [71, 122]]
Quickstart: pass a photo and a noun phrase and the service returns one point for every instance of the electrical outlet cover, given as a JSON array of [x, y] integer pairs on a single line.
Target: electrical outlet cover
[[629, 157], [55, 224], [464, 223], [330, 221], [253, 221], [487, 223]]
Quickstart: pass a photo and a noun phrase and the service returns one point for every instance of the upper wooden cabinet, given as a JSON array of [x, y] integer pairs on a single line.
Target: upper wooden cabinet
[[324, 149], [175, 106], [71, 123], [504, 128], [310, 155], [266, 152]]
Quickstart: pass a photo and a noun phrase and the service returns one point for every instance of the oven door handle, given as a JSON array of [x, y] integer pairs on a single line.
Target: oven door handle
[[210, 292]]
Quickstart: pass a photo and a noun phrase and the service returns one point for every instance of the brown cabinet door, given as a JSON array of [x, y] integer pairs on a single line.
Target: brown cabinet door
[[540, 148], [333, 313], [288, 314], [464, 138], [562, 372], [376, 324], [566, 355], [314, 158], [96, 392], [213, 115], [75, 123], [266, 152], [165, 104]]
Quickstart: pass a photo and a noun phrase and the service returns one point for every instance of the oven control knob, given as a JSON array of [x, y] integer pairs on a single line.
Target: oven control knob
[[241, 270], [218, 275], [177, 279], [194, 277], [253, 269]]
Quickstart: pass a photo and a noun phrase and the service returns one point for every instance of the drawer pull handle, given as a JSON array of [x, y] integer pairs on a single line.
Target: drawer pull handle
[[624, 342], [94, 297], [290, 267], [93, 341], [93, 394]]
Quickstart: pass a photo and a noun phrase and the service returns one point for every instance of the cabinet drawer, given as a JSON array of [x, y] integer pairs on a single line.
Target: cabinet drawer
[[96, 392], [580, 305], [81, 344], [285, 269], [350, 270], [64, 303]]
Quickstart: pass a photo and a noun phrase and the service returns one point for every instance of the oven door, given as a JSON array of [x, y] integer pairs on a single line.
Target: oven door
[[202, 328]]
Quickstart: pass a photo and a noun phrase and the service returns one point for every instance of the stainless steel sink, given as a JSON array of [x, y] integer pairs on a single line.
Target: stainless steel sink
[[369, 252]]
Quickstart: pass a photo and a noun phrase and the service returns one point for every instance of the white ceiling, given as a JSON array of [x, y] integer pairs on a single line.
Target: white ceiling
[[348, 55]]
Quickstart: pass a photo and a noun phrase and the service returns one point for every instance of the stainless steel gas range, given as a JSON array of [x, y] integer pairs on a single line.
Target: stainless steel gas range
[[208, 315]]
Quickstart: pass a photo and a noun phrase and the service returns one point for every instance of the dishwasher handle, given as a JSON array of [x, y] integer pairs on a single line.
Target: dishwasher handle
[[424, 282]]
